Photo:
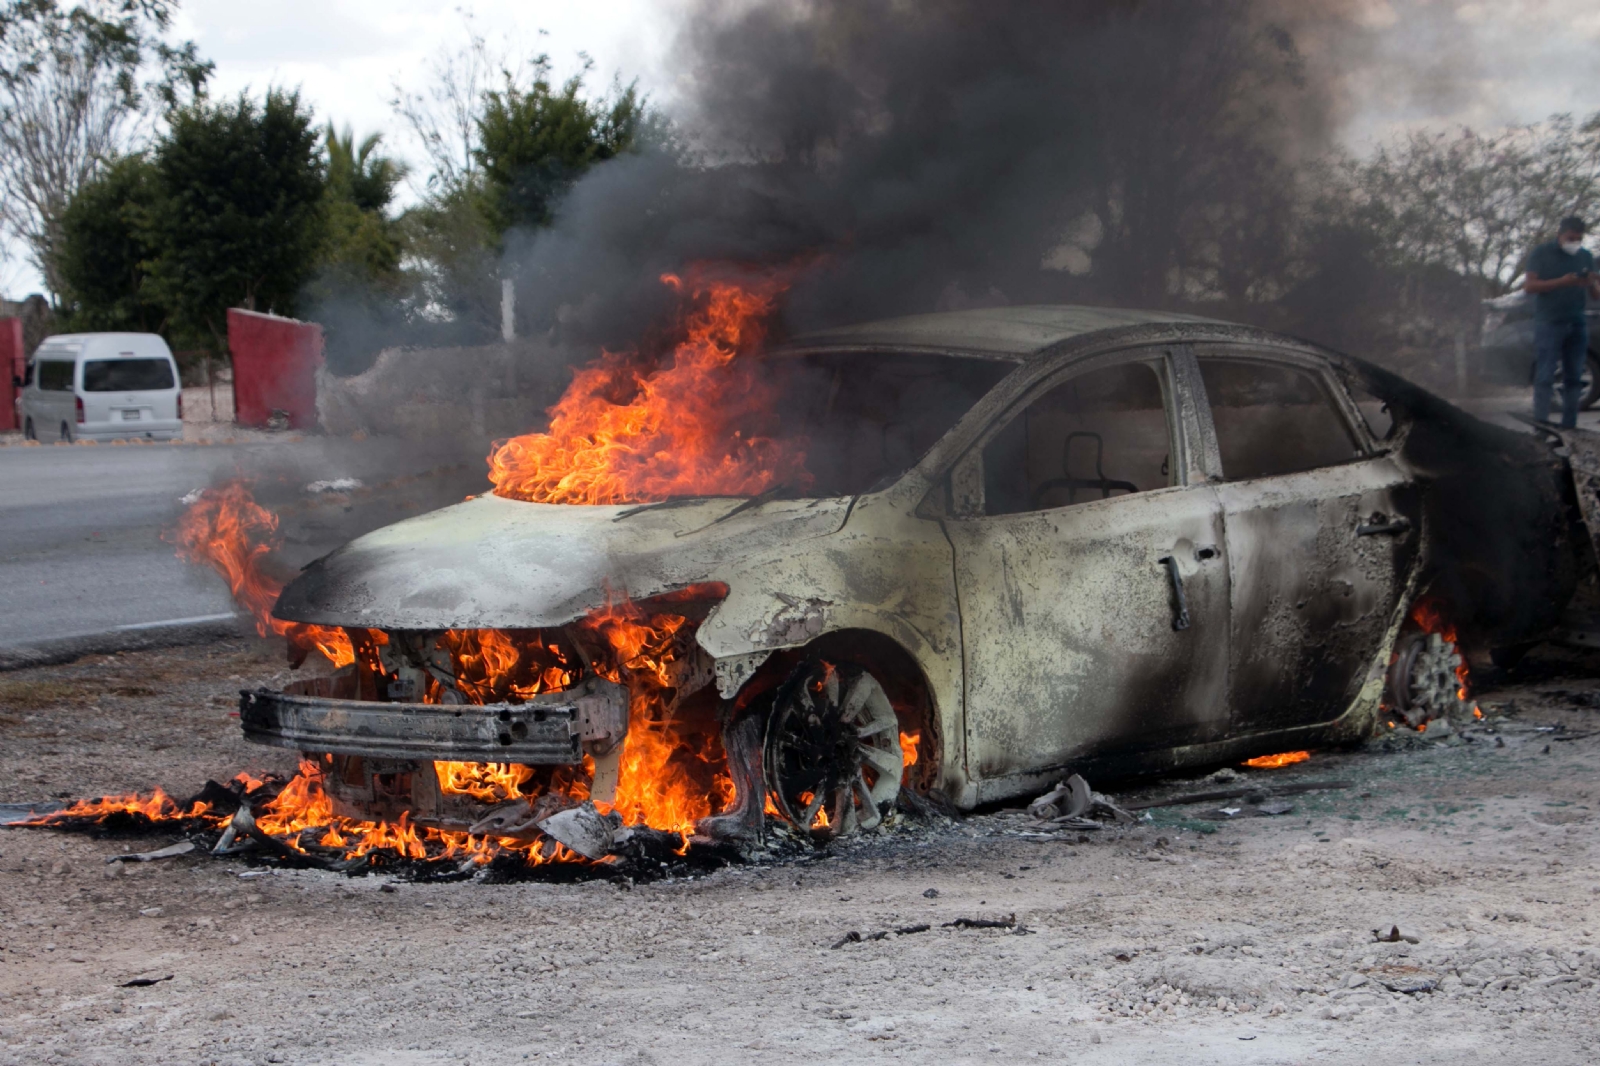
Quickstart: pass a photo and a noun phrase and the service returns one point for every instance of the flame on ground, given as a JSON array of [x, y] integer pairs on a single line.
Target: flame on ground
[[227, 530], [630, 429], [1272, 762]]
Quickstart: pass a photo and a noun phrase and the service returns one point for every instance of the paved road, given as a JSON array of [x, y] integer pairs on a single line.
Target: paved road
[[80, 528]]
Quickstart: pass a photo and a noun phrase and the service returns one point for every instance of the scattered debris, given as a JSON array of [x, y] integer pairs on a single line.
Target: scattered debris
[[1405, 979], [1255, 793], [584, 829], [1073, 805], [145, 982], [338, 484], [1008, 922], [1393, 936], [172, 851], [932, 893], [853, 937], [13, 813]]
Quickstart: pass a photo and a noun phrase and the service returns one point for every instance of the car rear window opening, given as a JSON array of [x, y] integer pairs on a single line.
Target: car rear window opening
[[126, 375]]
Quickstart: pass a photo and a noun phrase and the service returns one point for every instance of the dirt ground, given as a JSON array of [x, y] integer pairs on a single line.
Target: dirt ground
[[1194, 937]]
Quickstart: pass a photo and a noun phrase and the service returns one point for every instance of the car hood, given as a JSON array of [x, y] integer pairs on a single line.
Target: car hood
[[492, 563]]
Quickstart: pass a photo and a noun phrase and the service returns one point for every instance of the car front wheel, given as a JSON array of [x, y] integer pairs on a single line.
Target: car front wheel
[[832, 753]]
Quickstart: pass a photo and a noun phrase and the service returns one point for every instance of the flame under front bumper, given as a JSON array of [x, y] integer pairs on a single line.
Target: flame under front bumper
[[552, 728]]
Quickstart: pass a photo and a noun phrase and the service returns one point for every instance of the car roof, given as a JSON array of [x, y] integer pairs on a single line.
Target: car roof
[[1010, 333]]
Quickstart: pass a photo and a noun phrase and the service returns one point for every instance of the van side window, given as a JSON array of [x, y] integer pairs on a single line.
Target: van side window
[[55, 375], [1273, 419]]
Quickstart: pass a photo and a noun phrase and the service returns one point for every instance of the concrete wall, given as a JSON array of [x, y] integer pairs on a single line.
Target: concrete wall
[[465, 395]]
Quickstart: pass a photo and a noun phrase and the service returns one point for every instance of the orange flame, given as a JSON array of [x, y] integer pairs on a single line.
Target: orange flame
[[629, 429], [1272, 762], [666, 780], [908, 748], [157, 806], [1429, 617], [226, 529]]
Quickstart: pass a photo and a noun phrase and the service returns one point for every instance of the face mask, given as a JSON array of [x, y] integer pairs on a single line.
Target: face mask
[[1571, 247]]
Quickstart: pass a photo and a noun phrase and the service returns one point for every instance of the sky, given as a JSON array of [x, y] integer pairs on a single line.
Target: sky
[[1436, 62]]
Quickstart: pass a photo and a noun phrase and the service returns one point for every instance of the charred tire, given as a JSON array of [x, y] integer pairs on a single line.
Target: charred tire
[[1422, 679], [832, 757]]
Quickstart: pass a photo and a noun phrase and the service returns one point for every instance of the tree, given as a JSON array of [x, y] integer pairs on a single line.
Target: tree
[[1475, 203], [360, 243], [71, 98], [443, 116], [106, 248], [535, 141], [240, 211]]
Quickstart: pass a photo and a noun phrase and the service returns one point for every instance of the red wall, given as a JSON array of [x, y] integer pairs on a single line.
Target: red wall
[[12, 361], [275, 363]]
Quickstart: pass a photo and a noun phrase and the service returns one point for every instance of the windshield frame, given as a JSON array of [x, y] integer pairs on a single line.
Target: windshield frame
[[887, 351]]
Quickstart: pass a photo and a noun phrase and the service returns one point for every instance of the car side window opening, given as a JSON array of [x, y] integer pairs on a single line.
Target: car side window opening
[[1274, 419], [55, 375], [1098, 435], [1374, 412]]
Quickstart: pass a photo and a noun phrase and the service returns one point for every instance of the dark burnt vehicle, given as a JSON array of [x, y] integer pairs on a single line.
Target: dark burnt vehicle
[[1040, 538]]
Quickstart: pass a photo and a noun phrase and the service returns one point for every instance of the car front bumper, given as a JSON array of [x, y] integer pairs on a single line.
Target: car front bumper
[[549, 729]]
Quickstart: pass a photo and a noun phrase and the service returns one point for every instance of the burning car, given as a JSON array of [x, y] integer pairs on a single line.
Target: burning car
[[949, 554]]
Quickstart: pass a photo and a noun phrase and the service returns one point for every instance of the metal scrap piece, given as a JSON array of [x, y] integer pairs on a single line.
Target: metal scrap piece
[[171, 851], [584, 830]]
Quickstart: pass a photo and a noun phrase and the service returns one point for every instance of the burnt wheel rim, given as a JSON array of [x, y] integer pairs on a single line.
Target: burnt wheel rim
[[1422, 682], [833, 760]]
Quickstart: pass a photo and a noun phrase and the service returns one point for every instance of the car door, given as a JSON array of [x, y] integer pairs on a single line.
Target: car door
[[1092, 585], [1322, 530]]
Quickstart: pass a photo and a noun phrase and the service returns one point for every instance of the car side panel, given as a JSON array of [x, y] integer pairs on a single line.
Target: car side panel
[[1313, 596]]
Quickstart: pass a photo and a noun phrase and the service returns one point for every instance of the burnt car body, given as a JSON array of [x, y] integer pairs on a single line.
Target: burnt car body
[[1066, 537]]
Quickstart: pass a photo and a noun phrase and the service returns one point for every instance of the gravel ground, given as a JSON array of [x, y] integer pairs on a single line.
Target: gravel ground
[[1183, 940]]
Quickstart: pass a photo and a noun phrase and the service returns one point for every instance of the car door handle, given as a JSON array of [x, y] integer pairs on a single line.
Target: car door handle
[[1381, 525], [1181, 620]]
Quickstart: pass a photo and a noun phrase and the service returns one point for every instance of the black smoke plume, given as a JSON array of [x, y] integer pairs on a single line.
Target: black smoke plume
[[947, 153]]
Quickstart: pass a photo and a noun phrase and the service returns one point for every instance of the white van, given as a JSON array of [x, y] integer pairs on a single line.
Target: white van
[[102, 386]]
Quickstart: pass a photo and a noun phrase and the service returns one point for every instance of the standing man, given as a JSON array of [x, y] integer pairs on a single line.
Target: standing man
[[1560, 277]]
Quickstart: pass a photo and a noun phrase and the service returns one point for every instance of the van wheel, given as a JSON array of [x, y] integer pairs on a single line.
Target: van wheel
[[66, 433], [28, 432]]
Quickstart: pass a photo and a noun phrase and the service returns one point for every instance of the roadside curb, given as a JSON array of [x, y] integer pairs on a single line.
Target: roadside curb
[[168, 634]]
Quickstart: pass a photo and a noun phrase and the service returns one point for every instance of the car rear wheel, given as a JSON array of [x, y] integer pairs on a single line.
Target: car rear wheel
[[1423, 684], [832, 757]]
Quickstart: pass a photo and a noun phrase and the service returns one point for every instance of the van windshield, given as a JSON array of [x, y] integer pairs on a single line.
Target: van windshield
[[126, 375]]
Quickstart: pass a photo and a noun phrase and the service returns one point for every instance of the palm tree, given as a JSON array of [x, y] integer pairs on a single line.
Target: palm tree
[[359, 173]]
